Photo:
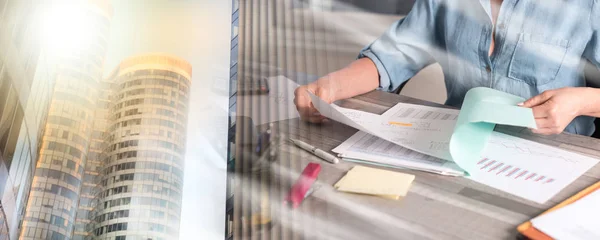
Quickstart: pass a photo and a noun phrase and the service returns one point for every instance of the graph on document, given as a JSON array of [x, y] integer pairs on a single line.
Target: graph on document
[[424, 113], [511, 171], [528, 169], [374, 145]]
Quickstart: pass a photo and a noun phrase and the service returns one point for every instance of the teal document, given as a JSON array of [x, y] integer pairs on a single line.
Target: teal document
[[482, 109]]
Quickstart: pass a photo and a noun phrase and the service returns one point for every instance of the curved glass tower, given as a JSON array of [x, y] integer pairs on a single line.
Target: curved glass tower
[[54, 197], [141, 181]]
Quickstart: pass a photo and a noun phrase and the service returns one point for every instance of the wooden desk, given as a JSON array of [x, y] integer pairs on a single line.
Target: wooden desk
[[437, 207]]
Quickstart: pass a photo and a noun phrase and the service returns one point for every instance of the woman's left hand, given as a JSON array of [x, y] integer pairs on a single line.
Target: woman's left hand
[[555, 109]]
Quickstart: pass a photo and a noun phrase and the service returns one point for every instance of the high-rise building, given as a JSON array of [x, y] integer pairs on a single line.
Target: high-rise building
[[57, 184], [142, 177], [26, 82], [84, 227]]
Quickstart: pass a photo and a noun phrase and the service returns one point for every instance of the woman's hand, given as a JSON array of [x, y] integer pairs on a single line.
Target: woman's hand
[[359, 77], [304, 105], [555, 109]]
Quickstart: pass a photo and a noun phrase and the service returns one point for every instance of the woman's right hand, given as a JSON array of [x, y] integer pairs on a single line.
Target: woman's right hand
[[304, 105]]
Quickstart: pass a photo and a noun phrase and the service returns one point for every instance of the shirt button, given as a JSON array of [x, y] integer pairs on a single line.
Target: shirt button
[[488, 69]]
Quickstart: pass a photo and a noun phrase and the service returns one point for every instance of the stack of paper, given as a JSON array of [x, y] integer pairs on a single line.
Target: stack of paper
[[448, 141], [409, 123], [371, 181]]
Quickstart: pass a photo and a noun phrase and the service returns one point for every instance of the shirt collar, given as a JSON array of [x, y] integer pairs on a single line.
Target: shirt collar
[[487, 6]]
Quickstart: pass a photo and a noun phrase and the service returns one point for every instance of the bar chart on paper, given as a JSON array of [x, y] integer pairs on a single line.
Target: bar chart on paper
[[528, 169], [511, 172]]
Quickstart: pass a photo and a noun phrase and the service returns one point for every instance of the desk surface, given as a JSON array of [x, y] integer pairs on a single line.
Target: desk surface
[[437, 207]]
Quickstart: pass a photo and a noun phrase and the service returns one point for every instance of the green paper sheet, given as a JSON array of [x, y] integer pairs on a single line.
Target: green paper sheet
[[482, 109]]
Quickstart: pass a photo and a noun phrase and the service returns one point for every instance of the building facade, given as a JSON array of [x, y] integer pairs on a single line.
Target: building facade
[[57, 184], [231, 146], [26, 81], [142, 178]]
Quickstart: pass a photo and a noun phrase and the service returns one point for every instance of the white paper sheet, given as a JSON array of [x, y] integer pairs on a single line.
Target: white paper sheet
[[276, 106], [576, 221], [421, 138], [528, 169], [429, 131]]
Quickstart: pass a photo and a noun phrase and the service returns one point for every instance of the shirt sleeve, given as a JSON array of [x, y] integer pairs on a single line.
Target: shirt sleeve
[[405, 48], [592, 51]]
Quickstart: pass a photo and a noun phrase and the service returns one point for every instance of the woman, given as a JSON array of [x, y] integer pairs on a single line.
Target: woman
[[530, 48]]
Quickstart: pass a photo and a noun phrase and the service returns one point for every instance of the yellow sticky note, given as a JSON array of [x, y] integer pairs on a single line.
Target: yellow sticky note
[[372, 181]]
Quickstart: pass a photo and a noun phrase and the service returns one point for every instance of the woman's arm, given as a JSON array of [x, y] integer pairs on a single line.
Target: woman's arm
[[357, 78]]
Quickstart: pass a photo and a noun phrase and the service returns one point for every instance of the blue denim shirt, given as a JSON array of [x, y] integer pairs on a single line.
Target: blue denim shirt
[[540, 45]]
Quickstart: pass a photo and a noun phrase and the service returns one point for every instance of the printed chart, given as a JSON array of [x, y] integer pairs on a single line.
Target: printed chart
[[528, 169], [510, 171]]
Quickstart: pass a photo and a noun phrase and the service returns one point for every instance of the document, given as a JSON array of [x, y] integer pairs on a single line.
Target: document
[[372, 181], [577, 221], [366, 148], [420, 138], [528, 169], [275, 106], [462, 140]]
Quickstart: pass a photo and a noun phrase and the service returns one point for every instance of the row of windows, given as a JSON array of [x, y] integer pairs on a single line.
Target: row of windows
[[57, 204], [128, 154], [143, 155], [61, 147], [53, 219], [128, 143], [123, 177], [117, 202], [58, 190], [40, 233], [111, 228], [67, 122], [155, 72], [113, 191], [138, 213], [155, 91], [58, 175], [165, 112], [156, 101], [154, 81], [130, 112], [149, 201], [113, 215], [54, 132], [144, 165], [138, 177], [165, 191], [136, 111], [147, 121], [146, 143], [135, 226]]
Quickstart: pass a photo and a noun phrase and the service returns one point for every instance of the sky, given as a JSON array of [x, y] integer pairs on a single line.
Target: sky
[[198, 31]]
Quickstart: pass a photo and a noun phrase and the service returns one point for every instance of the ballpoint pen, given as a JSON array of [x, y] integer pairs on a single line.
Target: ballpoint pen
[[317, 152]]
